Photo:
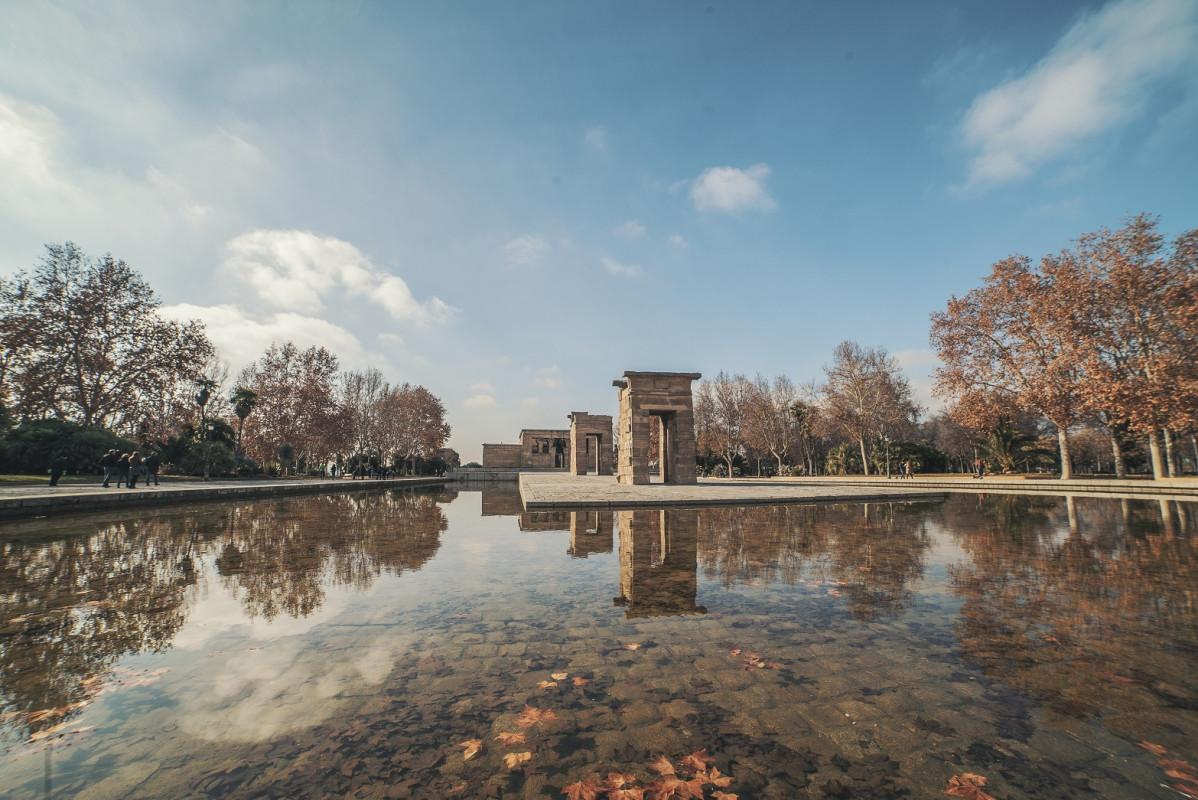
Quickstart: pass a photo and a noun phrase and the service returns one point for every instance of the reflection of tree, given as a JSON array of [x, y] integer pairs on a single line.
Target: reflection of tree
[[73, 605], [278, 556], [876, 551], [1088, 606], [70, 607]]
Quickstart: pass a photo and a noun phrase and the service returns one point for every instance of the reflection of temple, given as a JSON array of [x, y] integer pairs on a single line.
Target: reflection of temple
[[658, 562], [590, 532], [538, 449]]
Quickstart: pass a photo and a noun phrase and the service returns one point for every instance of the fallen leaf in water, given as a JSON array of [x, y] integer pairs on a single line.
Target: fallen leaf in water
[[662, 766], [717, 779], [473, 747], [1110, 676], [533, 716], [698, 760], [736, 651], [514, 760], [560, 676], [617, 780], [458, 788], [632, 646], [724, 796], [968, 786], [629, 793], [546, 684], [1154, 748], [510, 739], [585, 789], [581, 681]]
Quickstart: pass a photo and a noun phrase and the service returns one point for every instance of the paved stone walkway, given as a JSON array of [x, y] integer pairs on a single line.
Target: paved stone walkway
[[39, 500], [550, 490]]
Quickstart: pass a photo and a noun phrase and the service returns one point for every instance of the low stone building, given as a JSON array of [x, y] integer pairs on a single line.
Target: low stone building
[[539, 448]]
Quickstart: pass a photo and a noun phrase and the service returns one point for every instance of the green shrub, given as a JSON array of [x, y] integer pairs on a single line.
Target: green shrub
[[31, 446]]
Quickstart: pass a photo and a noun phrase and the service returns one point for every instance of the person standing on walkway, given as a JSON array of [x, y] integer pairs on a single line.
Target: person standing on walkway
[[108, 462], [122, 470], [57, 467], [135, 463], [151, 463], [981, 469]]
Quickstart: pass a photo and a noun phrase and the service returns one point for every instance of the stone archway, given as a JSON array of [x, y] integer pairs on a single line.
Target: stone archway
[[646, 399]]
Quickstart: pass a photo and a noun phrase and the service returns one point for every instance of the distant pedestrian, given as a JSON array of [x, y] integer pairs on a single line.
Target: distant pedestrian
[[980, 469], [135, 467], [122, 470], [152, 462], [57, 467], [108, 462], [908, 470]]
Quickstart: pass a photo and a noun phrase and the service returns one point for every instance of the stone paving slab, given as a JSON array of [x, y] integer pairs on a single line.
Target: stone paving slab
[[540, 491], [72, 498], [560, 490]]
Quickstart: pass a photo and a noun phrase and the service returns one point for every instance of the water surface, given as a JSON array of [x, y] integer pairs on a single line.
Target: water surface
[[363, 645]]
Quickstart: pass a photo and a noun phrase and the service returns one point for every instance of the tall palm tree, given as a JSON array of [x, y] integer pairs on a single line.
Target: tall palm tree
[[244, 399]]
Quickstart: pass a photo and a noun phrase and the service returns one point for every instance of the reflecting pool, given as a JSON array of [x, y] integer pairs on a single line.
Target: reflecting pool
[[442, 645]]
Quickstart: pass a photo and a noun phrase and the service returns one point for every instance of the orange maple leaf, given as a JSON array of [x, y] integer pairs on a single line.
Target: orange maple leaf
[[630, 793], [560, 676], [585, 789], [514, 760], [722, 781], [1160, 750], [546, 684], [969, 786], [698, 760], [618, 779], [473, 747], [533, 716], [724, 796], [662, 766], [510, 739], [581, 681]]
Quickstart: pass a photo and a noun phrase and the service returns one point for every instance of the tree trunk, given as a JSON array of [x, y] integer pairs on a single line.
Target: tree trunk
[[1117, 452], [729, 460], [1170, 462], [1154, 449], [779, 463], [1066, 463], [864, 460], [1194, 444]]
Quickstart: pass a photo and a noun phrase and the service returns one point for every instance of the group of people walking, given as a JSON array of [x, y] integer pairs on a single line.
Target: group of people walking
[[127, 467], [906, 470]]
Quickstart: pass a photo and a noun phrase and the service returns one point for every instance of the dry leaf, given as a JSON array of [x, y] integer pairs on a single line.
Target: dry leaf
[[473, 747], [628, 793], [698, 760], [560, 676], [581, 681], [632, 646], [510, 739], [585, 789], [532, 716], [968, 786], [514, 760], [724, 796], [617, 780], [546, 684], [722, 781], [662, 766], [1154, 748]]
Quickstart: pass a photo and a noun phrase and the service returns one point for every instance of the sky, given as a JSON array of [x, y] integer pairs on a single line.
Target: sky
[[513, 203]]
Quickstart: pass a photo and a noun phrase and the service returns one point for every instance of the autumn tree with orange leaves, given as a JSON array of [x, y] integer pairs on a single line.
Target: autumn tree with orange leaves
[[1002, 347]]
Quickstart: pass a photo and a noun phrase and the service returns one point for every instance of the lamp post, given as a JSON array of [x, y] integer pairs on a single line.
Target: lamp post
[[208, 448], [886, 439]]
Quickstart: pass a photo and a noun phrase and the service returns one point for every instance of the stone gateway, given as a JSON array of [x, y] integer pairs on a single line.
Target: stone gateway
[[656, 398]]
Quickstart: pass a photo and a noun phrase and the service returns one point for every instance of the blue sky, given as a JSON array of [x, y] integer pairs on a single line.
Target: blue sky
[[512, 203]]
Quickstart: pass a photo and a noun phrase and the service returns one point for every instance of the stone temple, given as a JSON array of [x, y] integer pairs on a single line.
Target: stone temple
[[656, 398]]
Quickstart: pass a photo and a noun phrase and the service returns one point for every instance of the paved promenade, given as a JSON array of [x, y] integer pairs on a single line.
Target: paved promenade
[[72, 498], [556, 490]]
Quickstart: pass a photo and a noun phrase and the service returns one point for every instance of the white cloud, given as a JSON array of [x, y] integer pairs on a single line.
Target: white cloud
[[240, 338], [526, 251], [1095, 79], [632, 229], [732, 190], [677, 240], [296, 269], [479, 401], [596, 139], [391, 339], [626, 270]]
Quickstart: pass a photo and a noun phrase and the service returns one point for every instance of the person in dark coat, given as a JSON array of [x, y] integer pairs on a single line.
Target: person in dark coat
[[122, 470], [57, 467], [108, 462], [152, 463], [134, 469]]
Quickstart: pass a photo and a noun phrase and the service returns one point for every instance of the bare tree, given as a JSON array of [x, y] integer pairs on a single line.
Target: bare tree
[[866, 395]]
